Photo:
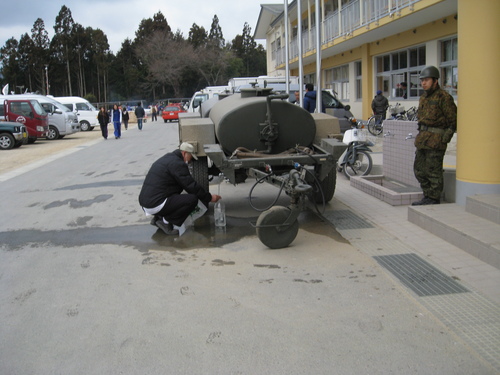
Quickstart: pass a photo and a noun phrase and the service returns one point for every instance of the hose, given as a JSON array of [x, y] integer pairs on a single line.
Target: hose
[[317, 183], [259, 181]]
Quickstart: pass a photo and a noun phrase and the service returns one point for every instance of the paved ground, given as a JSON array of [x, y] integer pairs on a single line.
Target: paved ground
[[88, 286]]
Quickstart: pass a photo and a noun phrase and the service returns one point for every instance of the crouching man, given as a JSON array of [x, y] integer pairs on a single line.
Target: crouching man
[[161, 191]]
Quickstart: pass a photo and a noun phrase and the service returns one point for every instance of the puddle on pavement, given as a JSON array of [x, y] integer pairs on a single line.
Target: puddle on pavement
[[145, 237]]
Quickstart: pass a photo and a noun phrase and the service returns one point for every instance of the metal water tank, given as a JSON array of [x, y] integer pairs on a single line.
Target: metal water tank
[[242, 120]]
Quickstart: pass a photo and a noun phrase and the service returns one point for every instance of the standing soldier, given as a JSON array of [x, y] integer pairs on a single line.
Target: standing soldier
[[437, 121]]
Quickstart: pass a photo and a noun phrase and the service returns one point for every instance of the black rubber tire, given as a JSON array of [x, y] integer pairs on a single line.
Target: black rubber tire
[[31, 140], [53, 133], [361, 167], [276, 237], [327, 187], [7, 141], [200, 171], [373, 127], [84, 126]]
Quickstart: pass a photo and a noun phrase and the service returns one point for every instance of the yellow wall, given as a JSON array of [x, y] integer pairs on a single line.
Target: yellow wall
[[478, 141]]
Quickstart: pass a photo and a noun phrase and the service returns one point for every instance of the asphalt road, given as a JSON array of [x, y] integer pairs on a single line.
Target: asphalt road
[[87, 286]]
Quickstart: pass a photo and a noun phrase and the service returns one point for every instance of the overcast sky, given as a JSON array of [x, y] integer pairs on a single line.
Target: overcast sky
[[119, 19]]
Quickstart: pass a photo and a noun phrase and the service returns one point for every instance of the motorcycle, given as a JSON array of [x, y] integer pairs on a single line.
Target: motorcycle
[[356, 160]]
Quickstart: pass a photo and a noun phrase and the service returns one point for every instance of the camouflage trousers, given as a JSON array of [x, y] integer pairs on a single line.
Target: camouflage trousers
[[428, 169]]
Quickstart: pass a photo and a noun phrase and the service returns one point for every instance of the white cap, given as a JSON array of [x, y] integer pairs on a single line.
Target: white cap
[[188, 147]]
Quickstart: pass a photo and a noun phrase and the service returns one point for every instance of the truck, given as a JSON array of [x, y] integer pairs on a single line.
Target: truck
[[235, 84], [204, 95], [27, 112], [12, 135], [62, 121], [259, 134]]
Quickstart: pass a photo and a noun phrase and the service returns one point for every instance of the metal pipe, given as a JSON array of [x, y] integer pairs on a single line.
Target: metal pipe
[[287, 68], [318, 59], [299, 42]]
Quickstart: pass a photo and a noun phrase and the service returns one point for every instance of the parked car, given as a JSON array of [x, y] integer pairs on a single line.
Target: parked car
[[12, 135], [85, 112], [171, 112], [26, 111], [61, 120]]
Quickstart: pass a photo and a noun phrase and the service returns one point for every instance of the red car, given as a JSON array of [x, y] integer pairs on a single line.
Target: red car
[[171, 112]]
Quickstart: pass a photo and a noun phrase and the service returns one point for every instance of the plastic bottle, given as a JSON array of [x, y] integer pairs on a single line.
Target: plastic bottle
[[220, 214]]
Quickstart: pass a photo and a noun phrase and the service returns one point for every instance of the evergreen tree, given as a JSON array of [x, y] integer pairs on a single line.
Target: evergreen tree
[[215, 37], [197, 36], [39, 50], [63, 29]]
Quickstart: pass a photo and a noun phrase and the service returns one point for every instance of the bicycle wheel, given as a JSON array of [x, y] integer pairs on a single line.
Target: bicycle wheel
[[361, 166], [375, 125]]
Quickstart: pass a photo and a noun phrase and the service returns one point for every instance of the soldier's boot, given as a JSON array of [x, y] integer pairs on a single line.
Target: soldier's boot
[[425, 201]]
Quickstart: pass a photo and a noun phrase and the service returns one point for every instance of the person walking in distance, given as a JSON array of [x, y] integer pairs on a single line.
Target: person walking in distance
[[116, 118], [103, 119], [139, 113], [154, 112], [437, 122], [125, 117], [380, 104]]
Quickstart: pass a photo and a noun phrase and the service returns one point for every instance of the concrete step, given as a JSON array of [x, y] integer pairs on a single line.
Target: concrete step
[[486, 206], [478, 236]]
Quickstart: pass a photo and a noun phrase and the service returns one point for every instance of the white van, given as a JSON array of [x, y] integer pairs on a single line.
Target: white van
[[61, 120], [86, 112]]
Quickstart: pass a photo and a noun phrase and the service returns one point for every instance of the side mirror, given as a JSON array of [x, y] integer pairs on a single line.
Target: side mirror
[[347, 107]]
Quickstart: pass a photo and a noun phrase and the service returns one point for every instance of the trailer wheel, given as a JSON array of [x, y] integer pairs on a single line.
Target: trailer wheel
[[200, 171], [270, 233], [327, 186]]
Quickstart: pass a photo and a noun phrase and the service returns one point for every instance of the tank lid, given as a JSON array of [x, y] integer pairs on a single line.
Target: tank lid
[[257, 91]]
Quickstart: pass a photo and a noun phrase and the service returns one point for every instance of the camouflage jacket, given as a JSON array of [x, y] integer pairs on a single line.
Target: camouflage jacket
[[437, 120]]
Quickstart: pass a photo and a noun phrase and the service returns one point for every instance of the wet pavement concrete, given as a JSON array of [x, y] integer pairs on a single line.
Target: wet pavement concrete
[[88, 286], [202, 234]]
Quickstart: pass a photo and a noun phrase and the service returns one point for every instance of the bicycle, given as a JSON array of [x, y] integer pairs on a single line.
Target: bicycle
[[412, 114], [375, 124]]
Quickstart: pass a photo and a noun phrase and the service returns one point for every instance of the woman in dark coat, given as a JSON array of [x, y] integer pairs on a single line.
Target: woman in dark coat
[[103, 119], [125, 117]]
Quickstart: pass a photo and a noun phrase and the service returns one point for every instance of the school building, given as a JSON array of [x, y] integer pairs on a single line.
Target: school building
[[370, 45]]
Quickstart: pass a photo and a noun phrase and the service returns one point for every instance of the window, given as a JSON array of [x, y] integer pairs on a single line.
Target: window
[[337, 79], [449, 65], [82, 107], [359, 80], [398, 72], [310, 78]]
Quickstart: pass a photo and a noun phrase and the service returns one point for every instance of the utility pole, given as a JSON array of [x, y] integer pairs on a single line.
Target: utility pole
[[46, 79]]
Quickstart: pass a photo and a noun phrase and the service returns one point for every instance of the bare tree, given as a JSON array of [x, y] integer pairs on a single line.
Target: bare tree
[[166, 58]]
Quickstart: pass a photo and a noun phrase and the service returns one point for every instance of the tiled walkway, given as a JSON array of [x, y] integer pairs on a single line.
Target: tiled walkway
[[379, 229]]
